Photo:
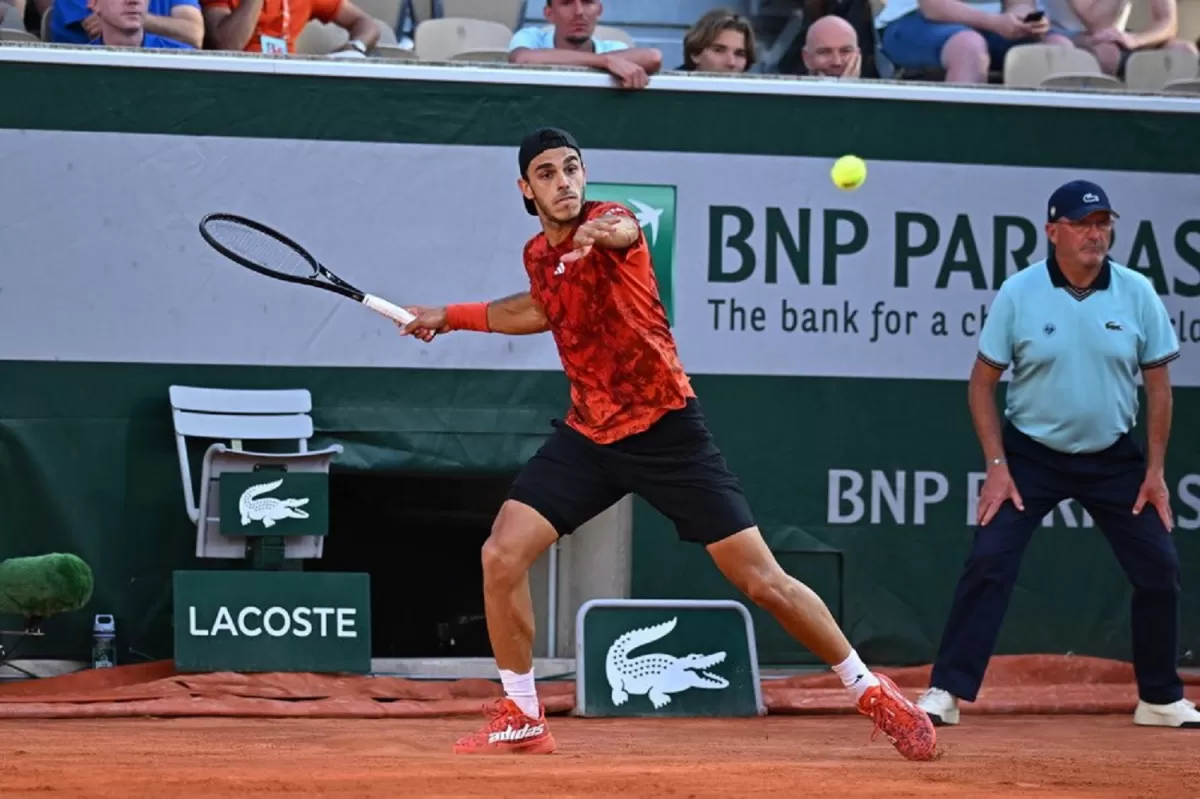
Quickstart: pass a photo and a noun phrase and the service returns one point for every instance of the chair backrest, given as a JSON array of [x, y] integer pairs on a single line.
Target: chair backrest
[[320, 38], [1082, 80], [507, 12], [610, 33], [387, 34], [482, 56], [240, 415], [394, 53], [236, 415], [442, 39], [15, 35], [1150, 70], [1027, 65], [1185, 86]]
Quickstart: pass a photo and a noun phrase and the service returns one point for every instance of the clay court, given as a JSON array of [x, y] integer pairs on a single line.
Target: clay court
[[768, 757], [1043, 726]]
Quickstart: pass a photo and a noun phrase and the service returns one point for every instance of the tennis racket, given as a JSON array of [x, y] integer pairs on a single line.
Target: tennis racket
[[269, 252]]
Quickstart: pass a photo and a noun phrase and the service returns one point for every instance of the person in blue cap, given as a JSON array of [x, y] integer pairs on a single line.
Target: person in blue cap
[[1077, 329]]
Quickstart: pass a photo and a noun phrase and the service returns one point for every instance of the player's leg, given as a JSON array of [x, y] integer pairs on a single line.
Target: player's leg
[[985, 586], [677, 468], [1147, 554], [560, 488]]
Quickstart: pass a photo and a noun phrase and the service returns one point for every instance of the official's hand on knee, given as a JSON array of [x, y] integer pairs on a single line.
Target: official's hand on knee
[[1154, 491], [998, 488]]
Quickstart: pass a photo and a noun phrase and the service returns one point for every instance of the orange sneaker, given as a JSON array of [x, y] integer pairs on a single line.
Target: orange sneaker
[[907, 726], [508, 732]]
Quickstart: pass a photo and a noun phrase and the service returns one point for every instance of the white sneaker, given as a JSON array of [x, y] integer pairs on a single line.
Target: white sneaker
[[941, 706], [1177, 714]]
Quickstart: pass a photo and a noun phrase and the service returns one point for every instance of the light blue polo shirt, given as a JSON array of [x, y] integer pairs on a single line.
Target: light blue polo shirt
[[1076, 354], [542, 38]]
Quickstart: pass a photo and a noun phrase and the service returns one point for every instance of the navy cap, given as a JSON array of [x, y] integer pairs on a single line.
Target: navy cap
[[538, 142], [1077, 199]]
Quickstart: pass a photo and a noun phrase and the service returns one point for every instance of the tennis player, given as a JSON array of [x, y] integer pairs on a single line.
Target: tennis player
[[634, 426]]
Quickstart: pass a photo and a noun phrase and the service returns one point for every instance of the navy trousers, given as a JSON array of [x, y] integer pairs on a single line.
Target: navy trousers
[[1106, 484]]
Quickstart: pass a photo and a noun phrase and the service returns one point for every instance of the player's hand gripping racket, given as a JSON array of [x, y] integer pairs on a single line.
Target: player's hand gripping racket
[[268, 252]]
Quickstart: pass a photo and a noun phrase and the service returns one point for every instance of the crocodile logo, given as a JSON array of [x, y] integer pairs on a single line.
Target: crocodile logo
[[657, 675], [268, 510]]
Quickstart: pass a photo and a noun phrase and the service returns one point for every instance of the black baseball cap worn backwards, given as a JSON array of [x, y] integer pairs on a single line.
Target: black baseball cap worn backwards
[[1077, 199], [538, 142]]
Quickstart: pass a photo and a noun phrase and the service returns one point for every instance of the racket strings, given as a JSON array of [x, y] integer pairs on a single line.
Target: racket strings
[[261, 248]]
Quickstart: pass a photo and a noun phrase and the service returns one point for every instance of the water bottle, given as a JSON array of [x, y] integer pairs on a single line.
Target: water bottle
[[104, 648]]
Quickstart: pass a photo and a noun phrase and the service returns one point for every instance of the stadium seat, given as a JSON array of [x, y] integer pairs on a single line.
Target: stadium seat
[[483, 56], [615, 34], [1185, 86], [321, 38], [508, 13], [394, 53], [1081, 80], [14, 35], [1027, 65], [442, 39], [1150, 70], [233, 415], [387, 34]]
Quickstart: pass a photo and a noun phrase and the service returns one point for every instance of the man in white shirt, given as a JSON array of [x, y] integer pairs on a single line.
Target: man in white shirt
[[966, 39], [1099, 27], [568, 41]]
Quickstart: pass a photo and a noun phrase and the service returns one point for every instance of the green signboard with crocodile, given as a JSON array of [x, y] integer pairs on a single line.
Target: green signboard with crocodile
[[666, 658], [274, 502]]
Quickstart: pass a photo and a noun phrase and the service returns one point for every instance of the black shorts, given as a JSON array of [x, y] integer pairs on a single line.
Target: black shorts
[[674, 465]]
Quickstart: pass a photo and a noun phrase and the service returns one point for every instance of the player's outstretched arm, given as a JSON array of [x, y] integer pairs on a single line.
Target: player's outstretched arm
[[515, 315], [611, 232]]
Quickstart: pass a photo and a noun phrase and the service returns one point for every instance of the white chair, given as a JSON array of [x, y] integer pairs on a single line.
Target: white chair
[[321, 38], [442, 39], [237, 416], [1027, 65], [21, 36], [1184, 86], [394, 53], [482, 56], [1150, 70], [1081, 80], [610, 33]]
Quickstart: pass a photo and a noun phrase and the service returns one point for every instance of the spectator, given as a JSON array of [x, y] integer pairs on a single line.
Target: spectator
[[1099, 27], [568, 41], [831, 49], [122, 24], [965, 39], [720, 41], [273, 26], [74, 21]]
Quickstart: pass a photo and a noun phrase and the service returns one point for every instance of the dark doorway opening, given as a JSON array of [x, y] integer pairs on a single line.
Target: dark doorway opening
[[419, 536]]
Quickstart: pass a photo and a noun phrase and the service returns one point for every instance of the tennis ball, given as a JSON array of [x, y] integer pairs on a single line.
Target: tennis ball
[[849, 172]]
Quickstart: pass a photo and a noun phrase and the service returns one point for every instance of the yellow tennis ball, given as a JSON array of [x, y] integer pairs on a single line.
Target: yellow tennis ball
[[849, 172]]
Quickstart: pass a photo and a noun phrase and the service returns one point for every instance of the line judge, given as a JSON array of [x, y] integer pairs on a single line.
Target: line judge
[[1077, 329]]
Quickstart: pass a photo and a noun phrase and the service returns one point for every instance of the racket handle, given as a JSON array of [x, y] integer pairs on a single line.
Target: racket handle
[[393, 312]]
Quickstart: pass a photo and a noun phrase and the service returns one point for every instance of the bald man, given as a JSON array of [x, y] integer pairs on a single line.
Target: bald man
[[831, 49]]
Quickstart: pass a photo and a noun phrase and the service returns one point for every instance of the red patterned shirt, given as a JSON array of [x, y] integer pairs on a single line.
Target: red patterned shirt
[[611, 331]]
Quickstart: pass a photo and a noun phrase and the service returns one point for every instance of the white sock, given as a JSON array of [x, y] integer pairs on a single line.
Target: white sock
[[855, 674], [519, 688]]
